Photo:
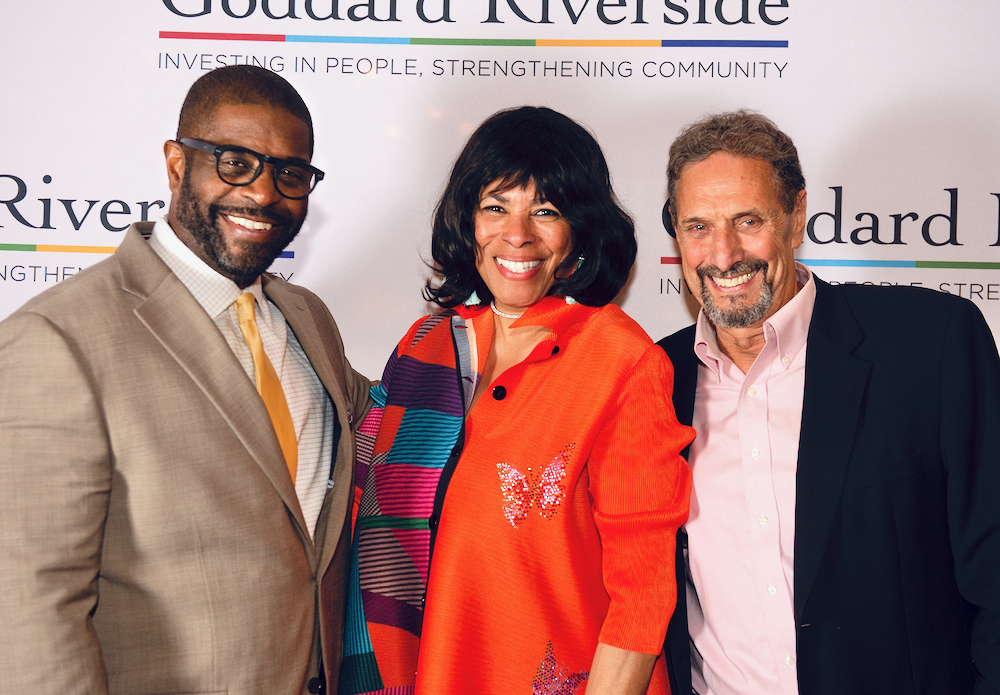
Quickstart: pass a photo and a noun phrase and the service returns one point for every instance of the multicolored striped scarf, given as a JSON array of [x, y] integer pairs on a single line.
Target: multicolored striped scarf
[[403, 447]]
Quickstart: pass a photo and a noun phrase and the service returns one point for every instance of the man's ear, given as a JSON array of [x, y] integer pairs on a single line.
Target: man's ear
[[174, 154], [798, 226]]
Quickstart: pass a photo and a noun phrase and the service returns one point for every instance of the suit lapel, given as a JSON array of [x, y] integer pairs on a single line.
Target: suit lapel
[[302, 322], [178, 322], [835, 387], [680, 349], [298, 316]]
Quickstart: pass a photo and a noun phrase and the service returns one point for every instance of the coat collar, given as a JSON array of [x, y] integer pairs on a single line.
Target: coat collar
[[835, 386]]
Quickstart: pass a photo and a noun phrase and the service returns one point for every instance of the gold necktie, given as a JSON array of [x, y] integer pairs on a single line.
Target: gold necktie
[[268, 385]]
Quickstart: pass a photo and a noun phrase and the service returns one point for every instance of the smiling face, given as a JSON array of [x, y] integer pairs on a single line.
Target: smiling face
[[236, 230], [736, 241], [521, 239]]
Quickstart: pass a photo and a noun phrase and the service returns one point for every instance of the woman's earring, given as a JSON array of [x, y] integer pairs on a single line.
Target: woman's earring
[[473, 299]]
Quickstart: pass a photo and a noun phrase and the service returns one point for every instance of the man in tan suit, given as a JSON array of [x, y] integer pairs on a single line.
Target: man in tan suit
[[158, 532]]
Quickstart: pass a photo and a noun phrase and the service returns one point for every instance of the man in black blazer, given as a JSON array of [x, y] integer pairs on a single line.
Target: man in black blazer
[[886, 418]]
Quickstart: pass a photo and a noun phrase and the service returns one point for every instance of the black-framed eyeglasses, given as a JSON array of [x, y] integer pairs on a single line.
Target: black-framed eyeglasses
[[239, 166]]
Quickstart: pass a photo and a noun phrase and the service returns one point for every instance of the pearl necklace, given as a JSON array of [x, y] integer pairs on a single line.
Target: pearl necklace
[[496, 311]]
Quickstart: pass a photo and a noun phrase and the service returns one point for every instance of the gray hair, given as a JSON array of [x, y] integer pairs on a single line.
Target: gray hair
[[744, 134]]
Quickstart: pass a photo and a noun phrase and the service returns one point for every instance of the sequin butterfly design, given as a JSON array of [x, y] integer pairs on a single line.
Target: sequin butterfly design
[[546, 490], [553, 678]]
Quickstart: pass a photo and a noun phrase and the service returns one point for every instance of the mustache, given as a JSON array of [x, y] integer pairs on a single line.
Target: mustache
[[254, 211], [747, 265]]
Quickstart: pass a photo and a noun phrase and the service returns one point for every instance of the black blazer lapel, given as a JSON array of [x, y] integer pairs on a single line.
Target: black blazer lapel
[[680, 349], [835, 391]]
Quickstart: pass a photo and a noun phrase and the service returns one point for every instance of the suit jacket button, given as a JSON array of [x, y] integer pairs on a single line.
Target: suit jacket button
[[499, 393], [433, 521], [315, 686]]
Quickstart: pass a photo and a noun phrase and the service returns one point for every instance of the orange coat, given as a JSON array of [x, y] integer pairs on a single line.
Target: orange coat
[[559, 522]]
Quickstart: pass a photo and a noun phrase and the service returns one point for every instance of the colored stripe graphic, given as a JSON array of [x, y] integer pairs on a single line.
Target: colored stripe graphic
[[866, 263], [54, 248], [423, 41], [59, 248], [721, 43]]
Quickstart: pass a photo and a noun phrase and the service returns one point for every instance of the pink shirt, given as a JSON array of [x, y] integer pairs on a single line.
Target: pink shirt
[[741, 530]]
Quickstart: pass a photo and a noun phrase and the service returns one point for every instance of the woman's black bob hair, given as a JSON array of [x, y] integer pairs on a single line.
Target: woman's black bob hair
[[540, 146]]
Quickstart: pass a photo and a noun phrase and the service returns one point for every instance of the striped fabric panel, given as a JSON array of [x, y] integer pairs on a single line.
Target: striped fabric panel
[[356, 639], [415, 543], [398, 690], [365, 441], [386, 568], [425, 438], [369, 500], [428, 325], [359, 674], [390, 367], [391, 555], [408, 492], [383, 610], [424, 386]]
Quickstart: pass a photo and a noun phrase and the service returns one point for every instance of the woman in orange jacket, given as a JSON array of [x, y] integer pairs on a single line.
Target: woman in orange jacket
[[520, 482]]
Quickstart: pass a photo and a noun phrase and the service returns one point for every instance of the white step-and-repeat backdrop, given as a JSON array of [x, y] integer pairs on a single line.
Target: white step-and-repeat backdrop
[[893, 104]]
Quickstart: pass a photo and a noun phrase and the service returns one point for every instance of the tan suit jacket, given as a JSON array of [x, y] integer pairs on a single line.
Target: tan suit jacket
[[150, 536]]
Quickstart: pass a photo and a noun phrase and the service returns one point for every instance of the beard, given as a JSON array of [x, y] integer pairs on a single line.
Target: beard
[[240, 260], [737, 315]]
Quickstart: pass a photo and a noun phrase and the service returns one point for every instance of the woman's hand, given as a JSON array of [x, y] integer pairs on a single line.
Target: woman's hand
[[619, 672]]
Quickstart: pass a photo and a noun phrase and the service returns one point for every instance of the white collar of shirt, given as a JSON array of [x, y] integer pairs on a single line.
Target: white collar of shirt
[[214, 292], [787, 329]]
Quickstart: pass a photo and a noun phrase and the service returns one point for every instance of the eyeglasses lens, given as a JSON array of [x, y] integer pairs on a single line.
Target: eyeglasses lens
[[239, 168]]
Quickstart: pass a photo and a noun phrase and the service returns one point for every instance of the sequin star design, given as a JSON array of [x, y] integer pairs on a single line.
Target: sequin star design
[[546, 491], [553, 678]]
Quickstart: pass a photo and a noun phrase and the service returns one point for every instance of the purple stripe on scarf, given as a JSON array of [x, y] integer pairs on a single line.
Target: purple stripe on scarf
[[424, 386], [388, 611]]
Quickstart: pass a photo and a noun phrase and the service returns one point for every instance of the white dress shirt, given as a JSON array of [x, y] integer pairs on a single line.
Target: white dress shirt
[[308, 403]]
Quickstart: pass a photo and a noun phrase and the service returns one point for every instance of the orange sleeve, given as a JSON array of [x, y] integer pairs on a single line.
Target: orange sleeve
[[640, 487]]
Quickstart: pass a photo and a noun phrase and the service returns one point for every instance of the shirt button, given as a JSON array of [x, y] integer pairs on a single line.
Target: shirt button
[[786, 360], [762, 519], [772, 589], [555, 350], [499, 393], [755, 453], [752, 390], [789, 659]]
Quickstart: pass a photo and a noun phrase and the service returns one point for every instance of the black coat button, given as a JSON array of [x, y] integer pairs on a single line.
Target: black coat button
[[433, 521], [555, 350], [499, 393], [457, 450], [315, 686]]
